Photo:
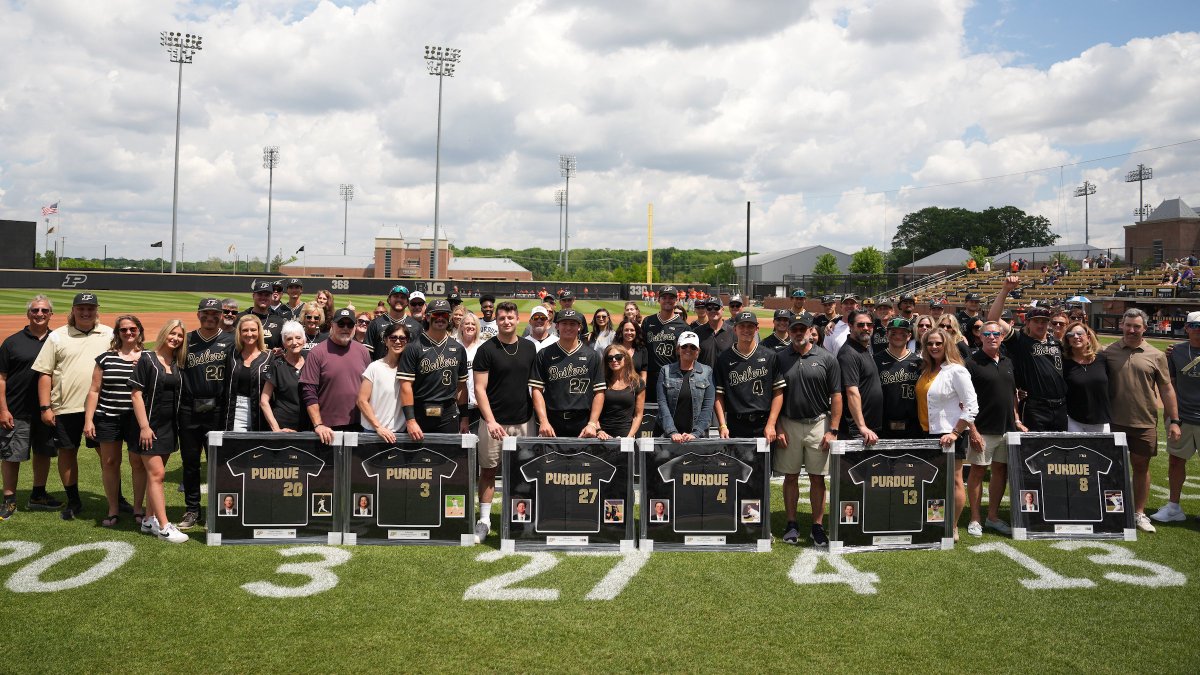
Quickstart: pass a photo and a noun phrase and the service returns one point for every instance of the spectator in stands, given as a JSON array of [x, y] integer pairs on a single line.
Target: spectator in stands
[[972, 266]]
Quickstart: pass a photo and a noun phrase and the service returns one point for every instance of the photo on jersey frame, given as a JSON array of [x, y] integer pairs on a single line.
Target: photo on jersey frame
[[322, 504], [614, 511], [228, 502], [660, 510], [454, 506], [1029, 501], [751, 511], [1081, 484], [364, 505], [890, 495]]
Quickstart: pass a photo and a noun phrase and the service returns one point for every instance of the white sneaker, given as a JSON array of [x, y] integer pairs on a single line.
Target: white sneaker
[[999, 526], [1143, 523], [1170, 513], [172, 534], [481, 531], [975, 529], [150, 525]]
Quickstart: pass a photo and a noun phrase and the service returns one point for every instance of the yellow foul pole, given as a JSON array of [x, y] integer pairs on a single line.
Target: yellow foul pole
[[649, 244]]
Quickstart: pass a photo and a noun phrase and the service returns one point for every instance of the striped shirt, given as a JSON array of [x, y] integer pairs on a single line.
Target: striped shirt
[[115, 396]]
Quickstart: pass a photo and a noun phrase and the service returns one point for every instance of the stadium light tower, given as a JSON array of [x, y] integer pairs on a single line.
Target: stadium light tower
[[181, 47], [346, 190], [566, 167], [1083, 191], [270, 161], [1139, 175], [441, 62], [560, 198], [1143, 211]]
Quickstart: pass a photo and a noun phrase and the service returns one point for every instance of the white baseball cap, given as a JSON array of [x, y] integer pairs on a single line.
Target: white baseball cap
[[1193, 317], [416, 295], [539, 309], [689, 338]]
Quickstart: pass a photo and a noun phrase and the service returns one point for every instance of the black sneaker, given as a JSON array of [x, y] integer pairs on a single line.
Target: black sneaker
[[123, 506], [43, 503], [792, 535], [8, 510], [818, 535], [188, 521], [67, 513]]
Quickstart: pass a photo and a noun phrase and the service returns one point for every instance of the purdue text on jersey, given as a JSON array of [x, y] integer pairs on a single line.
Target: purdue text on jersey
[[275, 485], [567, 491]]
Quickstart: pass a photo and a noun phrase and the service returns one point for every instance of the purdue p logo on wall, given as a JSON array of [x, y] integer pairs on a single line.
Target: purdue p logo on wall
[[73, 280]]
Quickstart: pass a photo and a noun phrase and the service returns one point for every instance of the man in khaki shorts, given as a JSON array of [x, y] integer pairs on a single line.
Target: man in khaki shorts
[[1184, 363], [995, 385], [502, 366], [812, 401]]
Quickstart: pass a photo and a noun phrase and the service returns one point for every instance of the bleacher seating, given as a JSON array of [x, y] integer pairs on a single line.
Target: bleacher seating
[[1091, 283]]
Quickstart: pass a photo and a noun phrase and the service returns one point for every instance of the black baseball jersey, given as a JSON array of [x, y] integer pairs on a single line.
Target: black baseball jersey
[[1070, 483], [409, 486], [879, 340], [568, 381], [705, 490], [1037, 365], [775, 343], [893, 492], [747, 380], [376, 340], [272, 327], [434, 368], [567, 491], [290, 313], [661, 337], [275, 485], [204, 366], [898, 380]]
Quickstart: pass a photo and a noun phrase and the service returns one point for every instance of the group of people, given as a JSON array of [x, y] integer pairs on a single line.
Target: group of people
[[847, 372]]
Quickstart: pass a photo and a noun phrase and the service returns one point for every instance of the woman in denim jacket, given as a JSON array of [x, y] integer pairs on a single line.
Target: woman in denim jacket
[[675, 402]]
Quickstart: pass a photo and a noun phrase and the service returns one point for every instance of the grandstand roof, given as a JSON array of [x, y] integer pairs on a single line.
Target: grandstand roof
[[946, 256], [1073, 251], [772, 256], [1172, 209], [485, 265]]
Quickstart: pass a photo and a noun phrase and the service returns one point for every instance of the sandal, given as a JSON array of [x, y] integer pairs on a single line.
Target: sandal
[[137, 517], [110, 521]]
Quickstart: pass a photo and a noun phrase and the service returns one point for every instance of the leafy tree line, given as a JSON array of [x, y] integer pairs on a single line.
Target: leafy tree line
[[617, 265], [212, 265], [995, 229]]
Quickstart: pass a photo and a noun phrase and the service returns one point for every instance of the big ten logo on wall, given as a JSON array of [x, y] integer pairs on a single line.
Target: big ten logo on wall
[[431, 287], [339, 284], [73, 280]]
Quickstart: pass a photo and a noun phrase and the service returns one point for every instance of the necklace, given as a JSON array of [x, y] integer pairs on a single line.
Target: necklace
[[516, 347]]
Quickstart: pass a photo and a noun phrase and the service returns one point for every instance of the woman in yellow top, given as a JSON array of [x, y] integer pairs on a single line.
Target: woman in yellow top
[[947, 406]]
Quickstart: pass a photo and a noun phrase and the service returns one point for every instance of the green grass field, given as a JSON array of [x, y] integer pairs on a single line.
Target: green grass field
[[193, 608]]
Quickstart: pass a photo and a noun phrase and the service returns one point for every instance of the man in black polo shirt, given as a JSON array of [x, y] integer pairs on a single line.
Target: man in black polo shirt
[[272, 323], [433, 379], [899, 370], [862, 392], [1037, 362], [397, 303], [749, 385], [812, 404], [995, 383], [714, 336], [568, 383], [503, 366], [24, 435], [779, 338]]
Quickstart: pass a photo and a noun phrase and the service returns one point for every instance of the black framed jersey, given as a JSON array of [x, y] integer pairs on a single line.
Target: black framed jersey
[[409, 486], [567, 491], [705, 491], [1070, 483], [275, 485], [893, 492], [434, 368]]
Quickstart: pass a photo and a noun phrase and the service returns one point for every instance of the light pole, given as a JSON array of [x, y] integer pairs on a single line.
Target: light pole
[[1143, 211], [441, 62], [346, 190], [566, 167], [180, 47], [560, 198], [270, 161], [1139, 175], [1083, 191]]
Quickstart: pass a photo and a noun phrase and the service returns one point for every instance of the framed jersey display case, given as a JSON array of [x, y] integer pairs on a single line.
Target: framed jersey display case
[[567, 493], [896, 494], [1070, 486], [410, 492], [706, 494], [273, 488]]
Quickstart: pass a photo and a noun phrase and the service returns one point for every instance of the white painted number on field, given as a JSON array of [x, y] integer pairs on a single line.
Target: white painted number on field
[[608, 588], [20, 551], [804, 571], [1162, 576], [28, 579], [317, 571], [1046, 577]]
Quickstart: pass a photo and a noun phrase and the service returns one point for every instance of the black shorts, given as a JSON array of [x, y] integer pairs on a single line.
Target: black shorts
[[960, 446], [121, 428], [68, 432]]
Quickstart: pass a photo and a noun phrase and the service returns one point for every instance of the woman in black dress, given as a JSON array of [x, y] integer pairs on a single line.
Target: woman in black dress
[[279, 401], [624, 398], [1086, 373], [157, 387]]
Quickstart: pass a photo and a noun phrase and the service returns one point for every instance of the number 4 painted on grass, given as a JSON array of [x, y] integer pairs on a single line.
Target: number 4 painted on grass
[[804, 571]]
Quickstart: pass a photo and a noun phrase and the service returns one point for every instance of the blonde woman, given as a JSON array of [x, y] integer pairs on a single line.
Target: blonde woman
[[311, 318], [949, 323], [157, 387], [947, 406], [245, 376], [625, 398], [468, 335], [1086, 374]]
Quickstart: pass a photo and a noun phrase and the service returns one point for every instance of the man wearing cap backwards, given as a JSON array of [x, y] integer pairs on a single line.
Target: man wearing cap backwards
[[66, 363], [749, 385], [661, 331], [272, 323], [779, 338], [1138, 378], [828, 315], [714, 336], [433, 379], [862, 390], [397, 304], [203, 373], [971, 311], [291, 309], [701, 309], [838, 329], [568, 383], [1037, 363], [812, 404], [566, 299], [331, 377], [539, 331], [899, 370], [1184, 361]]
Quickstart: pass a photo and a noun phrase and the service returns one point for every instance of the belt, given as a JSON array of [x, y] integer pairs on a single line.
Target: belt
[[748, 417], [811, 420], [568, 414], [1052, 402]]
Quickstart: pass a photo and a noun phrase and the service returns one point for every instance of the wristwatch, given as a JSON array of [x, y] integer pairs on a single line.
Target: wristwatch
[[1175, 422], [43, 408]]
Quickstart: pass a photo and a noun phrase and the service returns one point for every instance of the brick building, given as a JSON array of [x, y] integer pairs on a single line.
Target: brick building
[[1170, 232]]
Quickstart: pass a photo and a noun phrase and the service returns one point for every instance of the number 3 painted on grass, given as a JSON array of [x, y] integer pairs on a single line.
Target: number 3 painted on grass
[[28, 579], [320, 578]]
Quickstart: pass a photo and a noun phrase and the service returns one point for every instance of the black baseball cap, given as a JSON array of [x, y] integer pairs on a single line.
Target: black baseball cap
[[935, 305], [907, 297], [454, 299], [783, 314], [1038, 312], [86, 299], [438, 307], [972, 297], [849, 297], [903, 324], [883, 302], [209, 305], [260, 286], [828, 299], [745, 317], [566, 294], [736, 299], [549, 297], [668, 290], [295, 282], [803, 319], [399, 290], [277, 285], [568, 315], [713, 302], [343, 313]]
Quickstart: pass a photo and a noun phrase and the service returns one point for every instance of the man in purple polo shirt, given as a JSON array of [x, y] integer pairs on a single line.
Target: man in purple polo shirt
[[331, 377]]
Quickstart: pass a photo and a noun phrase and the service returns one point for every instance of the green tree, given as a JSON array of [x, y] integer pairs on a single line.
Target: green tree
[[996, 228], [980, 254], [824, 271], [868, 260]]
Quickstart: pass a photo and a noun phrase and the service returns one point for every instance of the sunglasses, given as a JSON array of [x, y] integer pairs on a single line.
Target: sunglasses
[[1081, 334], [312, 317], [417, 303], [945, 325], [229, 312], [1058, 323], [615, 357], [991, 333], [864, 324], [538, 318], [41, 310], [1193, 324], [362, 322], [689, 347], [397, 338], [131, 331], [344, 324]]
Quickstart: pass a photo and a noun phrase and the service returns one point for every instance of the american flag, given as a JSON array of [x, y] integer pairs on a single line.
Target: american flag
[[50, 210]]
